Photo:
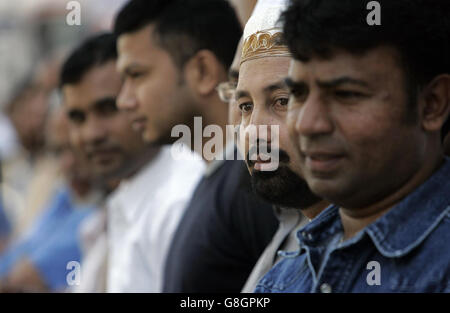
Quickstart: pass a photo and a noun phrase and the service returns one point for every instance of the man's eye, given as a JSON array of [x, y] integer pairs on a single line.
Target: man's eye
[[77, 117], [281, 102], [246, 107], [298, 93], [107, 108], [134, 75]]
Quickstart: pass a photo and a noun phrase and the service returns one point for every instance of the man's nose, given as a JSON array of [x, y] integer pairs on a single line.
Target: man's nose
[[94, 130], [313, 118], [260, 128], [262, 121], [67, 161], [127, 99]]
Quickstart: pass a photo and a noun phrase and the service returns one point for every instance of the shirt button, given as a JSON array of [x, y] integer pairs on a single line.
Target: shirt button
[[307, 236], [325, 288]]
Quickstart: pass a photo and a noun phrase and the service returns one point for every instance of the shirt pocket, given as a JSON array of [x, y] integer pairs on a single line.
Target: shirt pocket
[[288, 275]]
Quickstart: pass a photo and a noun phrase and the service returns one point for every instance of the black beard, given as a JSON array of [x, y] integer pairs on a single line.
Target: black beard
[[283, 187]]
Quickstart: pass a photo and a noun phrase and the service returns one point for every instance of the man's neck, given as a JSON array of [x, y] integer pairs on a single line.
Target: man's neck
[[314, 210], [354, 220], [134, 166], [216, 113], [141, 161]]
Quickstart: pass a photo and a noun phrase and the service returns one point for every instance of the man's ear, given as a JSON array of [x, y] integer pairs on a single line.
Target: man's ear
[[203, 72], [436, 105]]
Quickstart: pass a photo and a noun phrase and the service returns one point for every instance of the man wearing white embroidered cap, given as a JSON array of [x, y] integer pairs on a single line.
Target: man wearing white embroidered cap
[[262, 98]]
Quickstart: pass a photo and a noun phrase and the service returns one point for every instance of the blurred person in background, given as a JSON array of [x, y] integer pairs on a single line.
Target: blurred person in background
[[34, 34], [47, 177], [173, 55], [29, 177], [152, 190], [37, 262]]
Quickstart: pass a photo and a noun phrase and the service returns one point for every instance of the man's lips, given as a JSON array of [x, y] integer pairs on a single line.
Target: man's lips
[[263, 161], [258, 164], [138, 123], [260, 158], [322, 161], [102, 155]]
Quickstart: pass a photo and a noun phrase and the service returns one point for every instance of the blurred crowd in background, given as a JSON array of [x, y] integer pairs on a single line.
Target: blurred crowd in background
[[39, 171], [46, 189]]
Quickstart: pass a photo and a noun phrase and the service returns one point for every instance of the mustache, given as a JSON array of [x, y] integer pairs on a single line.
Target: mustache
[[94, 149], [321, 143], [258, 148]]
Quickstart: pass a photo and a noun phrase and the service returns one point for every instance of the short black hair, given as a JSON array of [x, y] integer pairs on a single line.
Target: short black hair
[[94, 51], [417, 29], [183, 27]]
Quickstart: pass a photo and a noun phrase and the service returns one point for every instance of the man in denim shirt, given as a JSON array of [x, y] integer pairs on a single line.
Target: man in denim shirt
[[366, 110]]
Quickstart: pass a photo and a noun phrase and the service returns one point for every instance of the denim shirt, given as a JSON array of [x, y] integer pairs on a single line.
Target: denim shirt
[[410, 245]]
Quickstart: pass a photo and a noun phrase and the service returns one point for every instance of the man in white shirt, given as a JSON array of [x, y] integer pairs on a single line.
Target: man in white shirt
[[144, 208], [172, 66], [143, 213]]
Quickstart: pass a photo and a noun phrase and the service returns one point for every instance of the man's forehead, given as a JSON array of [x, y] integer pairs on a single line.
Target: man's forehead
[[102, 76], [87, 102], [71, 95], [134, 47], [75, 99], [372, 64], [263, 73]]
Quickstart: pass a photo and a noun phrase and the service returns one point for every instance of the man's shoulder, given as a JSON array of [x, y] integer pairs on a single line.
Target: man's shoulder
[[224, 181], [437, 242]]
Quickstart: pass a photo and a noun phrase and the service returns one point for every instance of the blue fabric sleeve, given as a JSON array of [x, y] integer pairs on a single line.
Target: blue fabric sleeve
[[5, 226], [11, 256], [38, 234], [63, 246]]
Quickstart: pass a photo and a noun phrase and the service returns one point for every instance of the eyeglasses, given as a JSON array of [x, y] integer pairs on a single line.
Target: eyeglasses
[[226, 91]]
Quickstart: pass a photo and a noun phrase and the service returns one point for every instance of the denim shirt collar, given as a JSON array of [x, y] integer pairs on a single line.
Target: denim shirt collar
[[401, 229]]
